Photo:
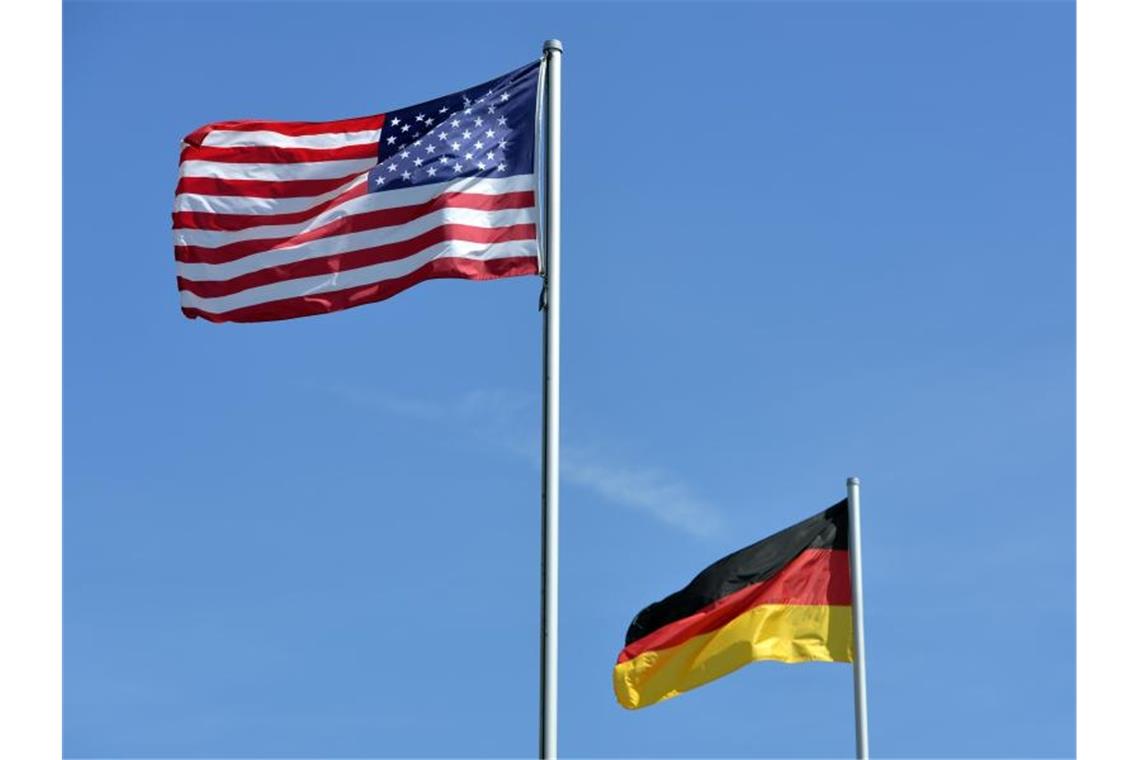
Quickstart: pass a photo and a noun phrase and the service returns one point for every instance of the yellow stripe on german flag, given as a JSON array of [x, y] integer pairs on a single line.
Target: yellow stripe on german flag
[[785, 598]]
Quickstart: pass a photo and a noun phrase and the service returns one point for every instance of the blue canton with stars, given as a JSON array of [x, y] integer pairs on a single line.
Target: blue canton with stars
[[484, 131]]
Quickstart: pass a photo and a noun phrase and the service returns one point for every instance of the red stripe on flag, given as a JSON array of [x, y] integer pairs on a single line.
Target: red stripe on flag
[[386, 217], [290, 128], [355, 259], [289, 308], [261, 188], [204, 220], [270, 154], [814, 577]]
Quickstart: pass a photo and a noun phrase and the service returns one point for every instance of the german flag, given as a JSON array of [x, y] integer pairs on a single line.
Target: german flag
[[785, 598]]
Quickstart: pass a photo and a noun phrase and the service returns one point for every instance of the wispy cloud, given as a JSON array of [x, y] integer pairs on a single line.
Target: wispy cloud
[[647, 490], [497, 417]]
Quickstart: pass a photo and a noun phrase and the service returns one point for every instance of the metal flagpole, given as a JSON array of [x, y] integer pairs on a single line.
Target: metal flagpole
[[552, 128], [860, 664]]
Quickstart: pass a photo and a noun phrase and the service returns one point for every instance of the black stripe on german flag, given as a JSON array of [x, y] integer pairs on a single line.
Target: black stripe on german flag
[[786, 598]]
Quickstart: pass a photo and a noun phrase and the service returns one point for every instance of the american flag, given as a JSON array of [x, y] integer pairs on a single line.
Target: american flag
[[274, 220]]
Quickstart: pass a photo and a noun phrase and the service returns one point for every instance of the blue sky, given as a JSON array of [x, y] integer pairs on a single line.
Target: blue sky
[[801, 241]]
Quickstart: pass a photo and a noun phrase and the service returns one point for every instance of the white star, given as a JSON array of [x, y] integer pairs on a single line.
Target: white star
[[502, 121], [490, 133], [391, 139], [430, 149], [379, 181], [405, 128], [405, 154], [491, 156], [429, 121], [443, 110], [406, 175], [455, 146], [416, 144], [481, 165], [466, 134], [455, 123], [419, 117], [418, 162], [490, 109], [502, 167], [478, 145], [479, 121], [469, 156], [431, 171], [504, 97], [443, 159], [442, 135], [502, 144], [457, 167], [466, 111], [391, 167], [396, 122]]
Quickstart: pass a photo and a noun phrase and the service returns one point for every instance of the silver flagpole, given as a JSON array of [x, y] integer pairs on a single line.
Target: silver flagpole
[[860, 664], [548, 679]]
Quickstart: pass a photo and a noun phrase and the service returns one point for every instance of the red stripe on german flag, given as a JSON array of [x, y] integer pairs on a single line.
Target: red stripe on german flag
[[785, 598]]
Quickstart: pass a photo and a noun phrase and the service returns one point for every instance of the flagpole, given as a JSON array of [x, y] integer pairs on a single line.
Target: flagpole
[[552, 129], [860, 664]]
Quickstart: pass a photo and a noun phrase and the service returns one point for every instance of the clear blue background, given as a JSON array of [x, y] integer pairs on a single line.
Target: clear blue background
[[801, 242]]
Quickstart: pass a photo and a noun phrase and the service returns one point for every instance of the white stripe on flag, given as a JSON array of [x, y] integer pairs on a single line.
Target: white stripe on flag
[[277, 172], [362, 205], [229, 138], [352, 278], [240, 204], [245, 204], [331, 246]]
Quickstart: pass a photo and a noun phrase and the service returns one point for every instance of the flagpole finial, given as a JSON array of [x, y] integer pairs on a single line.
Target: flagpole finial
[[852, 481], [552, 45]]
